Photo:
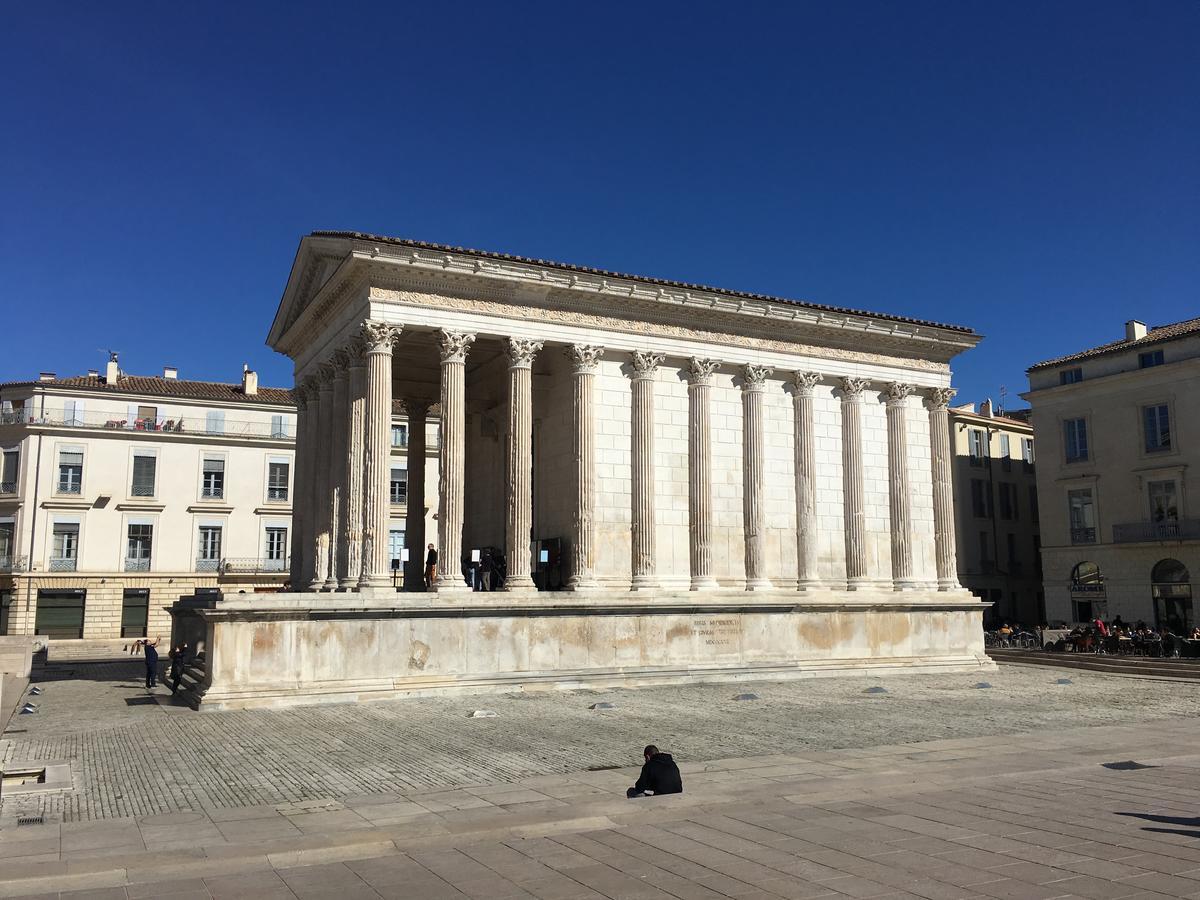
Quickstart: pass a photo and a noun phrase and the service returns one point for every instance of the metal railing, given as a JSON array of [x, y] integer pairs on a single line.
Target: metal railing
[[167, 424], [1083, 535], [208, 565], [12, 564], [253, 566], [68, 487], [63, 563], [8, 487], [1171, 530], [212, 493], [142, 490], [137, 564], [278, 494]]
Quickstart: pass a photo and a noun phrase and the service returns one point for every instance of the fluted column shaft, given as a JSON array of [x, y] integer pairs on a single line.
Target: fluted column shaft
[[414, 519], [754, 519], [321, 483], [338, 538], [307, 495], [519, 518], [943, 491], [898, 491], [700, 374], [852, 483], [451, 461], [377, 438], [297, 577], [583, 359], [642, 525], [807, 549], [356, 418]]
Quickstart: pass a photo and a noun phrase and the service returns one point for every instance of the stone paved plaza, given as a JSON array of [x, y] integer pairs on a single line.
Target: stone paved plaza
[[934, 789]]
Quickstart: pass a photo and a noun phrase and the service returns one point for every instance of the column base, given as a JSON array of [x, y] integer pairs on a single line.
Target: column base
[[645, 583], [329, 585], [703, 583], [315, 587], [583, 583], [808, 584], [906, 585], [948, 585], [376, 582], [348, 584], [759, 584], [451, 587], [519, 583], [858, 584]]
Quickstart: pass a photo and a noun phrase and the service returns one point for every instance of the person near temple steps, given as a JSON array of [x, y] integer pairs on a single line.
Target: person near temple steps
[[430, 568], [151, 659], [659, 775], [178, 658]]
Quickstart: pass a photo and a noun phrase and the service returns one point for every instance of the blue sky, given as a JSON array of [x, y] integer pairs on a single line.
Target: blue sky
[[1029, 169]]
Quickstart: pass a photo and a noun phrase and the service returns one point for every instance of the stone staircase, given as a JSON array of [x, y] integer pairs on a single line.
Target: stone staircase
[[191, 685], [1136, 666]]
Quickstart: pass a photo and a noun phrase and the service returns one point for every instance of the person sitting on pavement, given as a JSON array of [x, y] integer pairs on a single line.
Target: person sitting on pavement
[[659, 775]]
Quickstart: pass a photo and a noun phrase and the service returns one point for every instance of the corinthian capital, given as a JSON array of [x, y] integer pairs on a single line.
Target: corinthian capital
[[898, 392], [852, 388], [340, 360], [325, 374], [356, 349], [753, 377], [521, 352], [455, 345], [380, 337], [806, 383], [307, 389], [583, 357], [939, 398], [700, 371], [645, 362]]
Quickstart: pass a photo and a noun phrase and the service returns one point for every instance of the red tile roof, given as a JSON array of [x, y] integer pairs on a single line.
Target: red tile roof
[[167, 387], [1153, 336], [490, 254]]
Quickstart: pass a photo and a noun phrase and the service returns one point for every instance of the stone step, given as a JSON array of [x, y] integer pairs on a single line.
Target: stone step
[[1144, 667]]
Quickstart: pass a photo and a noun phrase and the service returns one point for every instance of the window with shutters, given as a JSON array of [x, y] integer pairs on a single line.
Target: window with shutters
[[137, 548], [70, 471], [1082, 515], [144, 470], [1156, 421], [208, 557], [1075, 439], [1005, 453], [277, 481], [214, 421], [64, 547], [212, 485], [8, 471], [977, 445], [279, 427], [277, 548], [399, 485], [981, 498]]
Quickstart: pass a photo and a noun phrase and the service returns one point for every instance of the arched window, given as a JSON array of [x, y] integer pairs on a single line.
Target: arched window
[[1171, 589], [1085, 575]]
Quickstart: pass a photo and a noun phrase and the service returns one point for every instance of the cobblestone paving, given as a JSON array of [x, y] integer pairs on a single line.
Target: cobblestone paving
[[131, 757]]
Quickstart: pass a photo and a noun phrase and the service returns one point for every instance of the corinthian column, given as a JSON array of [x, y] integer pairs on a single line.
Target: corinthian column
[[898, 496], [943, 491], [519, 518], [356, 417], [852, 483], [338, 537], [297, 577], [700, 373], [583, 358], [451, 461], [380, 339], [754, 519], [322, 580], [642, 446], [414, 520], [306, 497], [806, 480]]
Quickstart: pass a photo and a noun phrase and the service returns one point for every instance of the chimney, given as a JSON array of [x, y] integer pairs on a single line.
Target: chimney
[[113, 370], [249, 381], [1135, 330], [170, 373], [985, 408], [46, 376]]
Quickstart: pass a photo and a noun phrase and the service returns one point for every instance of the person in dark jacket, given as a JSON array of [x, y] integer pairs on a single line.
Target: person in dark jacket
[[431, 559], [659, 775], [151, 660], [178, 661]]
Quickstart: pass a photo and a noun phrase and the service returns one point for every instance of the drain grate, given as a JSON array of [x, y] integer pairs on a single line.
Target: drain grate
[[30, 820]]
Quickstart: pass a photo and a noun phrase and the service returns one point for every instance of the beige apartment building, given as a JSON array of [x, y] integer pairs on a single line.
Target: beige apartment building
[[996, 512], [119, 493], [1117, 430]]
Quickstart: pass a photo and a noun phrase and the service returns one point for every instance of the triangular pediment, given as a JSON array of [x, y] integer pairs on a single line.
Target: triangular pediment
[[316, 262]]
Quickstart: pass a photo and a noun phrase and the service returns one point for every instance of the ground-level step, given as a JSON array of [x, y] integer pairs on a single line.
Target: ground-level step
[[1147, 667]]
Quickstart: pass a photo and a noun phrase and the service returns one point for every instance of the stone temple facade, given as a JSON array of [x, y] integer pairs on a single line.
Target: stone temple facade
[[740, 486]]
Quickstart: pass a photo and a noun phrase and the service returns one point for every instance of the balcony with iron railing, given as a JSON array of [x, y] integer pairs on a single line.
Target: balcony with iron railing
[[253, 566], [137, 564], [1083, 535], [195, 425], [208, 565], [1149, 532], [9, 563], [277, 494], [8, 487], [212, 493], [63, 563]]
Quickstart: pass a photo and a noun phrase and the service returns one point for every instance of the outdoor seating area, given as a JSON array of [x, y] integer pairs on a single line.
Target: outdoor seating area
[[1098, 637]]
